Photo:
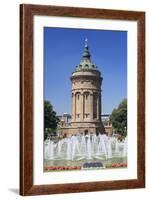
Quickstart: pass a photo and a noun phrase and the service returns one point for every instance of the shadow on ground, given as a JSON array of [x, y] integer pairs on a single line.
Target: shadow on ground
[[14, 190]]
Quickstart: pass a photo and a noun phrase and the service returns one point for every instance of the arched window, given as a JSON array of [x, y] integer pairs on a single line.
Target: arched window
[[78, 105], [86, 96], [86, 104], [95, 105]]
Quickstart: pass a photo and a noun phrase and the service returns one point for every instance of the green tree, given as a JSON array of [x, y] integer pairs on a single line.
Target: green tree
[[118, 118], [50, 119]]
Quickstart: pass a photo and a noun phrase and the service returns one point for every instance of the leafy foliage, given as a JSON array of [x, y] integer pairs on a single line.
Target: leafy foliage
[[118, 118], [50, 119]]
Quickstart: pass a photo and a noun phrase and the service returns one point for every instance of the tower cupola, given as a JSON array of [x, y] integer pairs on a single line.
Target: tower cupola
[[86, 63]]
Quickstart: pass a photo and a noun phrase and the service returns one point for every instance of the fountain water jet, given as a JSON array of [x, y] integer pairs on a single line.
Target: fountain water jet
[[85, 147]]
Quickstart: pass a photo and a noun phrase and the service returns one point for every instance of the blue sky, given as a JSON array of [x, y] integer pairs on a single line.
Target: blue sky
[[63, 49]]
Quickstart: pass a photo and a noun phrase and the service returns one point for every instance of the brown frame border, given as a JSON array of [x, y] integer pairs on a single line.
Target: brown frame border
[[27, 13]]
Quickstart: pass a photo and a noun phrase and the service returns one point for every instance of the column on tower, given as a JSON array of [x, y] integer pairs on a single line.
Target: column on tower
[[73, 106], [78, 105], [91, 106], [99, 96], [82, 106], [97, 106], [86, 104]]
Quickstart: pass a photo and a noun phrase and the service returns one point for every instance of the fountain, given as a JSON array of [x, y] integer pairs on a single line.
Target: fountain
[[91, 146]]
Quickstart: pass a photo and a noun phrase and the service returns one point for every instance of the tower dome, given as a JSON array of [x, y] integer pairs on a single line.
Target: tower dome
[[86, 62]]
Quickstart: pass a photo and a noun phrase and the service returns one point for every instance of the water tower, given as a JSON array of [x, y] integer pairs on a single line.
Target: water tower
[[86, 96]]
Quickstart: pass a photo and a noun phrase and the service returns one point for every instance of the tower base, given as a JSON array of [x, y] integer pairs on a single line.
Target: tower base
[[78, 128]]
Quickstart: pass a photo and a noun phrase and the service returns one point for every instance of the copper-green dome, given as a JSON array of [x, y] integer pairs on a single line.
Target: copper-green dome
[[86, 62]]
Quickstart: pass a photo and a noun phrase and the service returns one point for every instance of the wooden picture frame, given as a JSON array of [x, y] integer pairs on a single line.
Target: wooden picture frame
[[27, 12]]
